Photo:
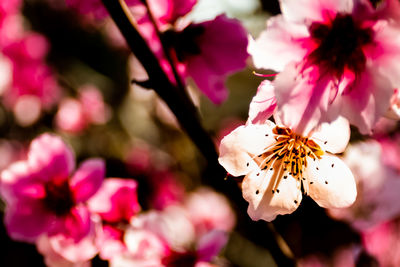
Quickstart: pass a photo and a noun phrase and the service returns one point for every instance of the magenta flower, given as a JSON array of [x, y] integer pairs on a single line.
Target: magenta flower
[[116, 203], [322, 76], [279, 163], [204, 53], [43, 191]]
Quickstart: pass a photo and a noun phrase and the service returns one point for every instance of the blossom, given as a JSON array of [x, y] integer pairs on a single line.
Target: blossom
[[168, 238], [115, 203], [221, 217], [321, 76], [278, 164], [43, 191], [377, 185], [204, 52], [382, 242]]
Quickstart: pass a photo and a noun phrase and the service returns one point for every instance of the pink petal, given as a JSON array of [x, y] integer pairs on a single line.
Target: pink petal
[[303, 104], [368, 100], [116, 200], [168, 11], [211, 244], [51, 157], [87, 179], [75, 250], [263, 104], [18, 181], [77, 223], [26, 221], [301, 11], [222, 38], [265, 205]]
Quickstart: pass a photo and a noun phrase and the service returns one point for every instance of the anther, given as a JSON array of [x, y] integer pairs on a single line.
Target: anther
[[257, 192]]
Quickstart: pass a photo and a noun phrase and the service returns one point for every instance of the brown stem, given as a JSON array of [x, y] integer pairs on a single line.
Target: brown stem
[[187, 115]]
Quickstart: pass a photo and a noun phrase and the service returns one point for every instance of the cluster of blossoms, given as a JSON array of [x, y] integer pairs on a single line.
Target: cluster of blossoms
[[337, 64], [74, 215], [28, 85]]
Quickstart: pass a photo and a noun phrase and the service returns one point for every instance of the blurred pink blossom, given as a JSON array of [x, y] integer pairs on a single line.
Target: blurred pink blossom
[[116, 203], [167, 238], [278, 164], [378, 184], [75, 115], [220, 217], [33, 86], [43, 191], [52, 258], [323, 77], [382, 242]]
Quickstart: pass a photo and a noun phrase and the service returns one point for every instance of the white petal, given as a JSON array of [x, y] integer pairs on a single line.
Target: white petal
[[238, 147], [280, 44], [334, 136], [263, 204], [330, 182]]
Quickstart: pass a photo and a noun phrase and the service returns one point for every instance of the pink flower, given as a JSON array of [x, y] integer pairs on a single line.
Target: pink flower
[[382, 242], [166, 238], [220, 217], [377, 185], [43, 192], [204, 52], [116, 203], [33, 86], [323, 77], [279, 163]]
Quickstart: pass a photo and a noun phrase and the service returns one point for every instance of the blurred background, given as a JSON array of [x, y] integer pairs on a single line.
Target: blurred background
[[75, 81]]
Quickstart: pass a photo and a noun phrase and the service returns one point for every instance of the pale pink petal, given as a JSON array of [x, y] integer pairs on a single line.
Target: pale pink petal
[[263, 104], [279, 45], [303, 100], [257, 188], [334, 136], [211, 244], [51, 157], [220, 217], [70, 116], [87, 179], [75, 250], [52, 258], [330, 182], [367, 100], [238, 148], [301, 11]]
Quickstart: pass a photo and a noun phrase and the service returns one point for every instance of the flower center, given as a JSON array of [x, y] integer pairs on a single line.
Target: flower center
[[59, 198], [289, 154], [180, 259], [339, 45]]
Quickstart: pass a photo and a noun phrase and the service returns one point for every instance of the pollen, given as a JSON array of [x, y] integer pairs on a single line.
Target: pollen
[[288, 155]]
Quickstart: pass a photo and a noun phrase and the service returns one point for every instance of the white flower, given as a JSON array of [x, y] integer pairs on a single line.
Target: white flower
[[279, 165]]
